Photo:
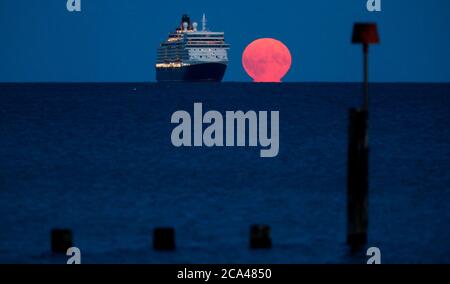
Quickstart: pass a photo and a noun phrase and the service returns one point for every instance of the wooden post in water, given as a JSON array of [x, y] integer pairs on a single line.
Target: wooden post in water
[[366, 76], [164, 239], [61, 240], [260, 237], [365, 34], [357, 179], [358, 148]]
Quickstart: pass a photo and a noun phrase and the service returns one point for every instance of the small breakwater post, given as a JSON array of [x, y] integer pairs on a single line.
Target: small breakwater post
[[260, 237], [61, 240], [164, 239], [358, 148]]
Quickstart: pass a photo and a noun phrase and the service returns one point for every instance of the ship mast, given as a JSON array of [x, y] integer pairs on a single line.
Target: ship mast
[[204, 22]]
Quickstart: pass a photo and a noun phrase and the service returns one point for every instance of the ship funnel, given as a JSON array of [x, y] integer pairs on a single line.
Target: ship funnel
[[185, 19], [194, 26], [204, 22]]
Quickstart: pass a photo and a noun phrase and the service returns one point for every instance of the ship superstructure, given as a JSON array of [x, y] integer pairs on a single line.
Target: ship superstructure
[[190, 54]]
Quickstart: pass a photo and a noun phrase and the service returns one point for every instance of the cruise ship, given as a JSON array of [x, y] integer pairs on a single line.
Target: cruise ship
[[192, 55]]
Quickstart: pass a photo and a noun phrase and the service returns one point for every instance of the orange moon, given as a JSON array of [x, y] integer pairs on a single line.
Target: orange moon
[[266, 60]]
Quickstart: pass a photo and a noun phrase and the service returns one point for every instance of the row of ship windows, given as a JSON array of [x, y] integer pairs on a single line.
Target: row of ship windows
[[203, 35], [198, 56], [202, 49], [180, 46], [218, 57], [211, 41], [194, 42], [201, 57], [192, 49]]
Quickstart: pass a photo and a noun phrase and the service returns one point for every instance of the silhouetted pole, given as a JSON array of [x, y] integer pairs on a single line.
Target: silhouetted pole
[[365, 34], [260, 237], [357, 179], [61, 240], [358, 149], [366, 76], [164, 239]]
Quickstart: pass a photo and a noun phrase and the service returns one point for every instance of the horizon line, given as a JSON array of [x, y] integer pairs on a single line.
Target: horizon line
[[223, 82]]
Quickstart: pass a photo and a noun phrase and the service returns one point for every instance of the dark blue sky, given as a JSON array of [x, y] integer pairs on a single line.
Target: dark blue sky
[[116, 40]]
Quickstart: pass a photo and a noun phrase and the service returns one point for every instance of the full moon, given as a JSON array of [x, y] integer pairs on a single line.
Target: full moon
[[266, 60]]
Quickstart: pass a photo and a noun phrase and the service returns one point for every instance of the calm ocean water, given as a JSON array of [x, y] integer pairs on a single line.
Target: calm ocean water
[[97, 158]]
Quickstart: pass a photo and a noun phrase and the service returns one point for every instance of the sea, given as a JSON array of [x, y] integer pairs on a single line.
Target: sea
[[97, 158]]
